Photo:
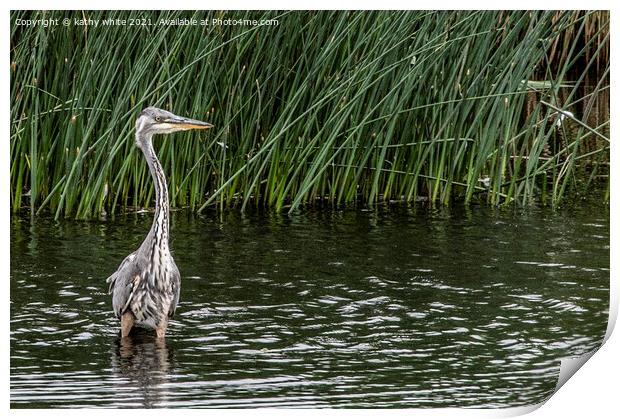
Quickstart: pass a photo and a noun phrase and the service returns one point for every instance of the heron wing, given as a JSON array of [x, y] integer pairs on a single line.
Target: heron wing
[[112, 278], [123, 282], [176, 289]]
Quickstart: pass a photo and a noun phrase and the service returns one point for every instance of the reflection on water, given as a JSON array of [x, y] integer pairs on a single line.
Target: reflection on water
[[144, 362], [399, 307]]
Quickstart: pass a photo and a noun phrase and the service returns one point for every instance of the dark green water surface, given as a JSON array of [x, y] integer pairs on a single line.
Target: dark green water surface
[[399, 307]]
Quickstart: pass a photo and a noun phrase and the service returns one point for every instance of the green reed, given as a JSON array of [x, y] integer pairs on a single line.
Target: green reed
[[326, 107]]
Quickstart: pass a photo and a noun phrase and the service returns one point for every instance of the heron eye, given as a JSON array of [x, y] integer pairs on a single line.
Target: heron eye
[[157, 119]]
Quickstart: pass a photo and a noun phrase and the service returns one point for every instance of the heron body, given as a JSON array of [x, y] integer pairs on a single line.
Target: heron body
[[145, 288]]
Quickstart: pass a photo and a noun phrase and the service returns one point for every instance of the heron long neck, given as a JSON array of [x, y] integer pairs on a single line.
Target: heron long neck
[[159, 229]]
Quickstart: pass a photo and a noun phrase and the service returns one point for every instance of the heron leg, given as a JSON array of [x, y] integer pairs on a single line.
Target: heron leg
[[127, 320], [161, 329]]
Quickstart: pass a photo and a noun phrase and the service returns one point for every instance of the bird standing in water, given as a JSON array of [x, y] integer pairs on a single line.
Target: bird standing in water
[[145, 288]]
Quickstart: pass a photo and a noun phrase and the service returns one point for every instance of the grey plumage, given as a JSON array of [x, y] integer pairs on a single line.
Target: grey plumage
[[146, 286]]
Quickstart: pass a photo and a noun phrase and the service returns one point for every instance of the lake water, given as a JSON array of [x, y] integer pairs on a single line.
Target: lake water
[[393, 307]]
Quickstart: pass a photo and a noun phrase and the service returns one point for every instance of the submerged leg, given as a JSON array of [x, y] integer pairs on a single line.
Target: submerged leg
[[127, 320]]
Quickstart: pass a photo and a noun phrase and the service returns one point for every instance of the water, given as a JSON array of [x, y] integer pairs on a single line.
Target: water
[[399, 307]]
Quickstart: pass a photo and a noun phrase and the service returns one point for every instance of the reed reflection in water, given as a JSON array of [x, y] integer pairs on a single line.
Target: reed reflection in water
[[394, 307]]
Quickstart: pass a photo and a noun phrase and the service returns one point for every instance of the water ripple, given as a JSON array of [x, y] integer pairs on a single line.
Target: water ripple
[[352, 309]]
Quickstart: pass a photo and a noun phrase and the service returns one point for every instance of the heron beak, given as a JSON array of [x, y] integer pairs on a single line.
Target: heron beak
[[187, 123]]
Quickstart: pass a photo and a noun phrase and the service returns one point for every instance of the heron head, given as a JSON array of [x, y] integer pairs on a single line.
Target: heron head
[[158, 121]]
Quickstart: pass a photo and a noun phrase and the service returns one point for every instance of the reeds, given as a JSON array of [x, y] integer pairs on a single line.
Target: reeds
[[325, 107]]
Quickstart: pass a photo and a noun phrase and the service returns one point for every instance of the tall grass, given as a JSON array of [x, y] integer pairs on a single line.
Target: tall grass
[[326, 107]]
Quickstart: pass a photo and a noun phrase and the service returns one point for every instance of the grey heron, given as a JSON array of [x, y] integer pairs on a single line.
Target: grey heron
[[145, 287]]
